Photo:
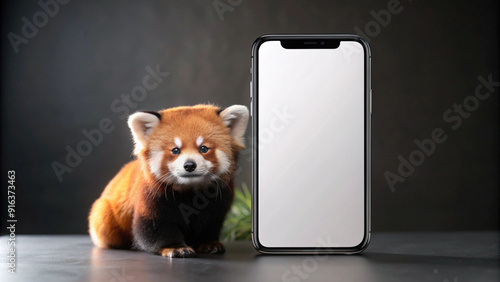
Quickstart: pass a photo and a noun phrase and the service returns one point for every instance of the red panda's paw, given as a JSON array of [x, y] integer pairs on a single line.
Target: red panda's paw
[[182, 252], [214, 247]]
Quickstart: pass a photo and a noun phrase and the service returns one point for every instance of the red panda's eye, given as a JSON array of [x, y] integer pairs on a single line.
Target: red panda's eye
[[203, 149], [176, 151]]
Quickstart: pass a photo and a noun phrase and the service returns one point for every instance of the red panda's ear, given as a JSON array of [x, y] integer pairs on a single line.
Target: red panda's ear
[[236, 118], [142, 124]]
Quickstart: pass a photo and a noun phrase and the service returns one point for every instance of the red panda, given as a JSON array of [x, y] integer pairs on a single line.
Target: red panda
[[172, 200]]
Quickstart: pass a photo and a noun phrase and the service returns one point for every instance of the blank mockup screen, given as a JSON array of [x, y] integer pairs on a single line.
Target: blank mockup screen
[[311, 146]]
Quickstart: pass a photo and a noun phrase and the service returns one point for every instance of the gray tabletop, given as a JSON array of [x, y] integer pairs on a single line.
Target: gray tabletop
[[457, 256]]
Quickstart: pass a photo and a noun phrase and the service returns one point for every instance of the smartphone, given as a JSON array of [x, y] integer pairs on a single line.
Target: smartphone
[[311, 113]]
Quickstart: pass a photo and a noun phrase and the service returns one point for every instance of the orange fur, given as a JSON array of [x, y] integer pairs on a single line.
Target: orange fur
[[111, 215]]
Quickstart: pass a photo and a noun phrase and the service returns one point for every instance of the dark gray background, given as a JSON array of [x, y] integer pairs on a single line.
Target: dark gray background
[[64, 80]]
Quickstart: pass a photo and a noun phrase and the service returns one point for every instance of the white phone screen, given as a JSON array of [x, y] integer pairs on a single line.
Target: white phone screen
[[311, 146]]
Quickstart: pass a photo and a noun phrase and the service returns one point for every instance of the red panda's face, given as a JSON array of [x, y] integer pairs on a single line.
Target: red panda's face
[[189, 145], [197, 159]]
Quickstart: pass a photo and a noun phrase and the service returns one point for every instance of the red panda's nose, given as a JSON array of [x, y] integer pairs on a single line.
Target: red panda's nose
[[189, 166]]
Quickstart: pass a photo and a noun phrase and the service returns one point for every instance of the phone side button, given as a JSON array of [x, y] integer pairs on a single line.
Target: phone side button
[[251, 89], [371, 101], [251, 107]]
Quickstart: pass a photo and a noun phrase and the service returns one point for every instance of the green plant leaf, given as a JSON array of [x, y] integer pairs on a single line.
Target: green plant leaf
[[238, 223]]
